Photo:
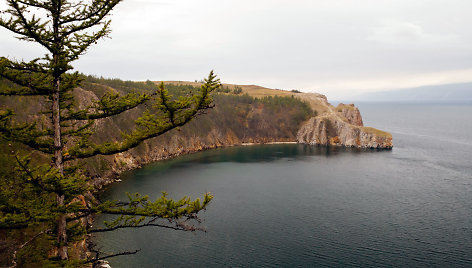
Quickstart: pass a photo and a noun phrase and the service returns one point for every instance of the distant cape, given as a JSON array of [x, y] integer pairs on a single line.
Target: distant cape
[[448, 93]]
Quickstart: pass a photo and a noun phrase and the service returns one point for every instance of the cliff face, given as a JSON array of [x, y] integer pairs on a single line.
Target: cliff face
[[331, 131], [351, 113], [342, 126]]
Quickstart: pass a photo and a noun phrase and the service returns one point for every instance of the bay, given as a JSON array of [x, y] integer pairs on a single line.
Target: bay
[[292, 205]]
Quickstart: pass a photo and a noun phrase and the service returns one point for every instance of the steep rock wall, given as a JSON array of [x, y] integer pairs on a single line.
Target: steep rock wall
[[342, 126], [351, 113], [331, 131]]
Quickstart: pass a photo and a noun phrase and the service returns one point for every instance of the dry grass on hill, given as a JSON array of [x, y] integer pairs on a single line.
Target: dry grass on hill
[[260, 92], [317, 101], [252, 90], [377, 132]]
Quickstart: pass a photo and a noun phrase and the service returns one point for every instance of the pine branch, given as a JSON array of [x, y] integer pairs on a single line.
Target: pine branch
[[82, 14], [26, 134], [31, 3], [97, 259], [178, 113], [79, 43], [93, 18], [136, 226], [29, 76], [109, 105], [30, 27], [80, 131]]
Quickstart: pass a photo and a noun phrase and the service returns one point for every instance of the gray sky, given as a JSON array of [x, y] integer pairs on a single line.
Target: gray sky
[[335, 47]]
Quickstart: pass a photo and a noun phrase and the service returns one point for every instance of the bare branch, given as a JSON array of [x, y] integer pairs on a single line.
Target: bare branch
[[29, 25], [137, 226], [96, 259]]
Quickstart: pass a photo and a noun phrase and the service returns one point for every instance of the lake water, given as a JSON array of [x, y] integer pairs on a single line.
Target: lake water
[[303, 206]]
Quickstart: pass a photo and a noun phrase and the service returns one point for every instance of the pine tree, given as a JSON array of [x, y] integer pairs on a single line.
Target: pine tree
[[52, 194]]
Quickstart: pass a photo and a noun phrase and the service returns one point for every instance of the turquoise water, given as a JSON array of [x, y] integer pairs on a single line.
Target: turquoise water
[[294, 205]]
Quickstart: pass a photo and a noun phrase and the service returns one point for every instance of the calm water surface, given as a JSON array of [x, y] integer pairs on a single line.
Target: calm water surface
[[302, 206]]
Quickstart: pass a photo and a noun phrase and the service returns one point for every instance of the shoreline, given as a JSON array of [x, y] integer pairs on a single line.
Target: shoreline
[[116, 177], [273, 142]]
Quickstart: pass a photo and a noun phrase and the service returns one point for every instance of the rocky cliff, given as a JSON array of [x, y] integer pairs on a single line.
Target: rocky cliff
[[351, 113], [342, 126]]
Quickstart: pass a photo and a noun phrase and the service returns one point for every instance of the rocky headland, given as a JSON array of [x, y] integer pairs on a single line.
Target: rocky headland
[[341, 126], [250, 124]]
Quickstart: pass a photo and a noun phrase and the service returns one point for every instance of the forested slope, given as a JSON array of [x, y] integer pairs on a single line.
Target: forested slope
[[236, 118]]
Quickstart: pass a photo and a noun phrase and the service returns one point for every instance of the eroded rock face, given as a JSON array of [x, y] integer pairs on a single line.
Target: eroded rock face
[[343, 126], [351, 113]]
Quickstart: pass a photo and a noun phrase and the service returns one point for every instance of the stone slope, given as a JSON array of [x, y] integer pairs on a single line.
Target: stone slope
[[340, 126]]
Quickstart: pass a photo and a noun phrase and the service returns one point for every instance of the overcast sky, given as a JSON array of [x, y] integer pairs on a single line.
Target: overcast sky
[[335, 47]]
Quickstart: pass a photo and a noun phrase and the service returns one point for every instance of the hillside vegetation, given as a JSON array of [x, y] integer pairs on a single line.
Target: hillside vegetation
[[236, 118]]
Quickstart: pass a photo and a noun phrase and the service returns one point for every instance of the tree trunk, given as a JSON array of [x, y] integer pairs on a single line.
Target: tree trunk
[[56, 120], [59, 164]]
